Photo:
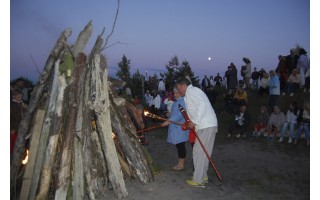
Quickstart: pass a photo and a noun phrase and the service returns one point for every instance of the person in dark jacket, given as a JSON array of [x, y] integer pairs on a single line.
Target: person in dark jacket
[[241, 121], [232, 77]]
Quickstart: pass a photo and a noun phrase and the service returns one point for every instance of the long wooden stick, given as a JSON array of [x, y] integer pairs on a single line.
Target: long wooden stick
[[150, 128], [204, 149]]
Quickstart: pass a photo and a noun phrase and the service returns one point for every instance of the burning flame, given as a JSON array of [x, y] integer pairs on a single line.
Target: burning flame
[[25, 160], [113, 136], [146, 113]]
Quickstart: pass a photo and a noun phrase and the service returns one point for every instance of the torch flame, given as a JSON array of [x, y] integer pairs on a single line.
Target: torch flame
[[25, 160], [146, 113], [113, 135]]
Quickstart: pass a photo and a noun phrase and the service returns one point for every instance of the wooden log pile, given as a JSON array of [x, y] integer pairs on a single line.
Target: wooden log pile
[[83, 143]]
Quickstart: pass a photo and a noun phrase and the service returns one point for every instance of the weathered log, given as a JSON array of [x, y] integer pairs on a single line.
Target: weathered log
[[137, 117], [35, 132], [94, 167], [101, 106], [82, 39], [70, 124], [123, 126], [52, 125], [32, 107], [78, 186], [46, 173]]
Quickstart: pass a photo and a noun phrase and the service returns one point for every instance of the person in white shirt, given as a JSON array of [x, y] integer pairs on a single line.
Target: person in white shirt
[[161, 86], [203, 118], [148, 98]]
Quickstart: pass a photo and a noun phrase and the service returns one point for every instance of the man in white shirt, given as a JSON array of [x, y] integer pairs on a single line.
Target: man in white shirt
[[203, 119]]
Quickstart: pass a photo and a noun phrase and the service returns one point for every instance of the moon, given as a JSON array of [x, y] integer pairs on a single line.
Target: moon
[[209, 58]]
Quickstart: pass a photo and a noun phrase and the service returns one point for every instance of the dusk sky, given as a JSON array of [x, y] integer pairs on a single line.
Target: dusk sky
[[155, 31]]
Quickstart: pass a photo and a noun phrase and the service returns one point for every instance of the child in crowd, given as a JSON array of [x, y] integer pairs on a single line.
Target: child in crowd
[[262, 121], [276, 121], [291, 122]]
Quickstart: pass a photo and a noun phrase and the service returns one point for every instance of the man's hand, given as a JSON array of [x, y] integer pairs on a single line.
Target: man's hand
[[191, 125]]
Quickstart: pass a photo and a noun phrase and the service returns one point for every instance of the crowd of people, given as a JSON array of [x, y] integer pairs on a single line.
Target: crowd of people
[[290, 76]]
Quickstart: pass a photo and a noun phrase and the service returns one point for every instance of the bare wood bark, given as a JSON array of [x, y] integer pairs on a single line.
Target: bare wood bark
[[52, 125], [36, 95], [94, 167], [101, 106], [137, 117], [35, 132], [46, 173], [123, 126], [78, 186], [73, 102], [83, 39]]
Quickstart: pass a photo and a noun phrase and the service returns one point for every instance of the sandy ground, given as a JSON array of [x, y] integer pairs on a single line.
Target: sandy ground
[[251, 168]]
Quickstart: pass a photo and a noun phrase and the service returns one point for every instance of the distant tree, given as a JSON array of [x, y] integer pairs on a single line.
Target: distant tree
[[171, 68], [185, 70], [136, 87], [27, 82], [124, 72]]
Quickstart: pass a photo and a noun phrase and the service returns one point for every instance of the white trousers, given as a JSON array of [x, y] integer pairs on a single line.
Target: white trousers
[[200, 160]]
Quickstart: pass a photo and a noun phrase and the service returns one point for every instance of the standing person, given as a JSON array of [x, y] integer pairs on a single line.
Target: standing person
[[232, 77], [212, 82], [281, 70], [247, 72], [274, 89], [204, 120], [176, 135], [255, 78], [302, 65], [161, 86], [291, 60], [205, 84], [218, 80], [264, 84]]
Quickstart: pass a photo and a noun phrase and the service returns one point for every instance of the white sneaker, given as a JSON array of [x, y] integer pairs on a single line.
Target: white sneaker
[[290, 140], [283, 93], [238, 135], [291, 94], [281, 139]]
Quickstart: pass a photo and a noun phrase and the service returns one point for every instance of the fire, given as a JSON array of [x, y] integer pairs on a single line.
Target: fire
[[25, 160], [113, 135], [146, 113]]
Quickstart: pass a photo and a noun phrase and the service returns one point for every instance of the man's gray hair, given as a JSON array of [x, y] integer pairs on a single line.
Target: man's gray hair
[[183, 81]]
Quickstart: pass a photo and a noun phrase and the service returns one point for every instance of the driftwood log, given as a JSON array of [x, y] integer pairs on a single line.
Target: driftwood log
[[87, 143]]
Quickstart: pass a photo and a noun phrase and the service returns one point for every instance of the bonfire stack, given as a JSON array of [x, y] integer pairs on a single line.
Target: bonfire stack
[[82, 139]]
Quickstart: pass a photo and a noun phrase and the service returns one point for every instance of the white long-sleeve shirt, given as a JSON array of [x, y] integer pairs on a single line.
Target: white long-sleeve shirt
[[199, 108], [157, 101]]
